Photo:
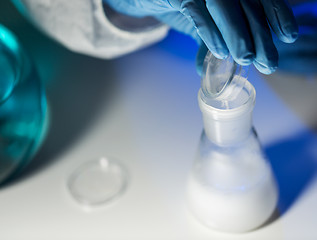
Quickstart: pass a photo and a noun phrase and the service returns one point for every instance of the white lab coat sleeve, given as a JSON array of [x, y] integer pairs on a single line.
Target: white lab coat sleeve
[[82, 26]]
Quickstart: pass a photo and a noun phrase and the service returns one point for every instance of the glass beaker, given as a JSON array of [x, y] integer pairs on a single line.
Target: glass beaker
[[23, 118], [231, 186]]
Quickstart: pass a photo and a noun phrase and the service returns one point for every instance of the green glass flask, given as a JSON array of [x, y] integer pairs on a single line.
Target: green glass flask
[[23, 109]]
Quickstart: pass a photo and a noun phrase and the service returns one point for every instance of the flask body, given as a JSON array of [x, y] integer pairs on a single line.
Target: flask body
[[231, 187], [23, 118]]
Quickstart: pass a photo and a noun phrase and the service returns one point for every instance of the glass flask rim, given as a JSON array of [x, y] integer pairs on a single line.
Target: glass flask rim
[[231, 112]]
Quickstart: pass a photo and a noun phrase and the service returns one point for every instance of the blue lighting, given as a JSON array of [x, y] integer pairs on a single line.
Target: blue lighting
[[179, 44], [294, 165], [304, 8]]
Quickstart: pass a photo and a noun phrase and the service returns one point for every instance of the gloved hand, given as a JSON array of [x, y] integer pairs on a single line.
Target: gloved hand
[[236, 26]]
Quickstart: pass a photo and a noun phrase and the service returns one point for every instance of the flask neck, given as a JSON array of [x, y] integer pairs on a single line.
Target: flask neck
[[230, 124]]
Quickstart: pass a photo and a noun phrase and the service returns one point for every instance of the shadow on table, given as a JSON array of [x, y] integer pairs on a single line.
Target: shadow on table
[[294, 163], [74, 103], [78, 89]]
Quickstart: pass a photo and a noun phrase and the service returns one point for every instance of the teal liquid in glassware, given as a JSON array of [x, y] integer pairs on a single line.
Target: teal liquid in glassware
[[23, 110]]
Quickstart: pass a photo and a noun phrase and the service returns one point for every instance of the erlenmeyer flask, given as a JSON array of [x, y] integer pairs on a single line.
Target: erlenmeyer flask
[[231, 185], [22, 107]]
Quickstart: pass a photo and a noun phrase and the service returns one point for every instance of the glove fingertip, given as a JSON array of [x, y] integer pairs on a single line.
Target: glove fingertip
[[291, 37], [264, 69], [220, 55]]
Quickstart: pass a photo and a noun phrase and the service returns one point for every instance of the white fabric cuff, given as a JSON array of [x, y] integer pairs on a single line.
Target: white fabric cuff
[[83, 26]]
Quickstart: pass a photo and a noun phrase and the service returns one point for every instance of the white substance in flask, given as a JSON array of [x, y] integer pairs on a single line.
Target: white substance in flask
[[231, 187], [232, 211]]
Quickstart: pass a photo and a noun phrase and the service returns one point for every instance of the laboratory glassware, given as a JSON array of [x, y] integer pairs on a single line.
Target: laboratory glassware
[[231, 186], [98, 182], [23, 110]]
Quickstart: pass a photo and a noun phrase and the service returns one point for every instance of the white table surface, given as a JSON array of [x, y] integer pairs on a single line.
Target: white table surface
[[142, 109]]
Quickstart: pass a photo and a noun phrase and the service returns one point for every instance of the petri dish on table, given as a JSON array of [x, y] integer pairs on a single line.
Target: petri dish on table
[[98, 182]]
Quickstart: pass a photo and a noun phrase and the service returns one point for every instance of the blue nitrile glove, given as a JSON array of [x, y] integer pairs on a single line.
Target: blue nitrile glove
[[236, 26]]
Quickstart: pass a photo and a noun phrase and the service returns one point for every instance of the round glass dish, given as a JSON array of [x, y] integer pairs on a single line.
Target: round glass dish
[[219, 74], [98, 182]]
